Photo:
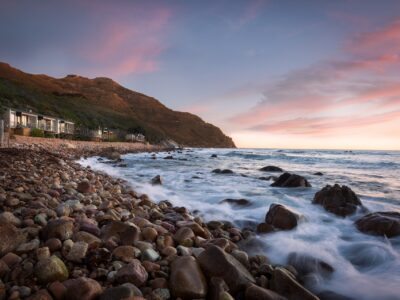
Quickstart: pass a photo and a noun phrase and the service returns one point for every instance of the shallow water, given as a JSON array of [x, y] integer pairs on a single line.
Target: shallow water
[[366, 267]]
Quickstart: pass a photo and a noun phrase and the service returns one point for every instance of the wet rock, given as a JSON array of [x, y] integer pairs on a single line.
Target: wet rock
[[121, 292], [271, 169], [156, 180], [51, 269], [85, 187], [306, 265], [169, 157], [281, 217], [340, 200], [223, 171], [133, 272], [291, 180], [214, 156], [83, 289], [77, 252], [8, 217], [240, 202], [329, 295], [10, 238], [149, 233], [59, 229], [187, 280], [217, 263], [318, 174], [254, 292], [380, 223], [120, 232], [264, 228], [150, 254], [184, 236], [126, 253], [90, 239], [284, 283]]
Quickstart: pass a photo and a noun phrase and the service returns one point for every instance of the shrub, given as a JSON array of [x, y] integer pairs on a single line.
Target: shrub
[[36, 132], [49, 135]]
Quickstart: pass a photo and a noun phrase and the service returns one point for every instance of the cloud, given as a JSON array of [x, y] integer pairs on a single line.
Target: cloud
[[366, 78]]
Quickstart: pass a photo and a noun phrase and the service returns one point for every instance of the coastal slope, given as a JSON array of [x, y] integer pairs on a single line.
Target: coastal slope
[[103, 102]]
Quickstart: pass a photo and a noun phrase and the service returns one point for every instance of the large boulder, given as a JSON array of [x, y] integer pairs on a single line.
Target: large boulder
[[284, 283], [271, 169], [10, 238], [380, 223], [281, 217], [215, 262], [340, 200], [187, 280], [291, 180]]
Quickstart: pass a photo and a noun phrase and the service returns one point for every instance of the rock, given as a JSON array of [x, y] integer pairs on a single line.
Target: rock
[[57, 289], [83, 289], [59, 229], [291, 180], [8, 217], [156, 180], [224, 171], [306, 265], [254, 292], [126, 253], [127, 234], [83, 236], [264, 228], [217, 288], [40, 295], [85, 187], [51, 269], [121, 292], [271, 169], [133, 272], [380, 223], [318, 174], [77, 252], [149, 234], [187, 280], [340, 200], [214, 156], [169, 157], [150, 254], [10, 238], [281, 217], [284, 284], [240, 202], [184, 236], [217, 263]]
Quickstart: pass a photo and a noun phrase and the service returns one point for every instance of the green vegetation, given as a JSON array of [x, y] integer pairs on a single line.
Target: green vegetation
[[35, 132]]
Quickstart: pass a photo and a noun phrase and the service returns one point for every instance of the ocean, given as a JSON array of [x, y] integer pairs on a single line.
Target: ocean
[[366, 267]]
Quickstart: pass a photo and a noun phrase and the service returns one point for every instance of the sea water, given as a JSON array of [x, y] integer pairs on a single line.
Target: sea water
[[366, 267]]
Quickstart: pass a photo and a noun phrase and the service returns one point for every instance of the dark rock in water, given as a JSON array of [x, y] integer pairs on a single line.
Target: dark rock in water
[[156, 180], [306, 265], [271, 169], [264, 228], [240, 202], [284, 283], [340, 200], [214, 156], [319, 174], [291, 180], [122, 165], [196, 177], [380, 223], [10, 238], [217, 288], [215, 262], [274, 178], [281, 217], [254, 292], [329, 295], [224, 171], [169, 157], [187, 281]]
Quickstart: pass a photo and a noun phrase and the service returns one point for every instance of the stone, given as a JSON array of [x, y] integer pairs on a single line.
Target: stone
[[187, 281], [11, 238], [380, 223], [59, 229], [77, 252], [4, 269], [283, 283], [340, 200], [281, 217], [28, 247], [85, 187], [57, 290], [223, 171], [121, 292], [53, 244], [150, 254], [156, 180], [133, 272], [8, 217], [51, 269], [264, 228], [291, 180], [184, 236], [40, 295], [306, 265], [215, 262], [254, 292], [83, 236], [239, 202], [83, 289], [271, 169], [126, 234], [126, 253], [149, 234]]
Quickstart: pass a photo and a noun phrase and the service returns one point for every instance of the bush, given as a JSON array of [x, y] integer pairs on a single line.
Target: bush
[[35, 132], [49, 135]]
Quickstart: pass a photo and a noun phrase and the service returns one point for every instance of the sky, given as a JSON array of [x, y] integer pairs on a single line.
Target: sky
[[269, 73]]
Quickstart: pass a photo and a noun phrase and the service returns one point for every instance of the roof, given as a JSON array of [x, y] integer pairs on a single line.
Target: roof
[[37, 114]]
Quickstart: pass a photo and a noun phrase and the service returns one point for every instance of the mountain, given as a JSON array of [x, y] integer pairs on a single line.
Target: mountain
[[103, 102]]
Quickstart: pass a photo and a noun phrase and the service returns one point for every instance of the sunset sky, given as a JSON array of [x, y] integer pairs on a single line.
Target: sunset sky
[[275, 74]]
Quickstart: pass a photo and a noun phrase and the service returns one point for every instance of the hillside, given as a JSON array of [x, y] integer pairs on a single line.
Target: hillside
[[103, 102]]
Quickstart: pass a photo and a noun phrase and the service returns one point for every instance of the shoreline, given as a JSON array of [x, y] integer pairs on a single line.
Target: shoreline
[[73, 233]]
